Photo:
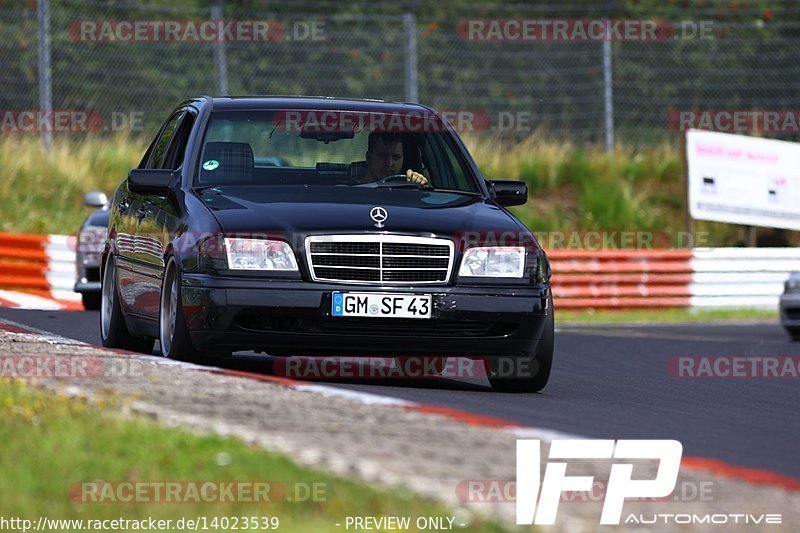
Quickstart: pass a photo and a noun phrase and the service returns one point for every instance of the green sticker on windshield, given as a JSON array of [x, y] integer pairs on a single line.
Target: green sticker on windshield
[[211, 164]]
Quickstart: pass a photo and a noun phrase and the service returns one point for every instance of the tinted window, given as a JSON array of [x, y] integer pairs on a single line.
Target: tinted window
[[177, 147], [294, 147], [162, 143]]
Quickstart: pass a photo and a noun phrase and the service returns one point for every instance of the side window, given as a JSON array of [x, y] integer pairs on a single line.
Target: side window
[[457, 170], [177, 147], [433, 155], [449, 167], [160, 146], [146, 158]]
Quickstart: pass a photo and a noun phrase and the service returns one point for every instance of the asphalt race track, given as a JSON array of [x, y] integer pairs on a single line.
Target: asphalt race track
[[607, 382]]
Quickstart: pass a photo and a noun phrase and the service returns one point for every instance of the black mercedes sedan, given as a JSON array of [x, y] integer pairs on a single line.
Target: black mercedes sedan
[[319, 227]]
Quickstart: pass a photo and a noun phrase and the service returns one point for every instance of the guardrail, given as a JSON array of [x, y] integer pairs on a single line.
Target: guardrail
[[621, 278], [741, 277], [44, 266], [700, 277]]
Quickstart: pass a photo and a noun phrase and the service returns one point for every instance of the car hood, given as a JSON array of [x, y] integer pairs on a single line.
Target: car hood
[[312, 210]]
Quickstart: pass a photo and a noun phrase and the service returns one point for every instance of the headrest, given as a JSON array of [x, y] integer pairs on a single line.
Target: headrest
[[227, 162], [358, 169]]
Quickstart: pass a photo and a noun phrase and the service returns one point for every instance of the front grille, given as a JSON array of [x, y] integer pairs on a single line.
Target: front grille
[[410, 276], [348, 274], [415, 249], [371, 261], [403, 327], [384, 259], [369, 327], [346, 247]]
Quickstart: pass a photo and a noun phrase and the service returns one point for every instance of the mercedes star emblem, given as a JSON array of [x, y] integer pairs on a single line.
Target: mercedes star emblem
[[379, 215]]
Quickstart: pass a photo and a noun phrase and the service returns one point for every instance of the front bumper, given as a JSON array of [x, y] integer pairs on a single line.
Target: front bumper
[[293, 318], [790, 310]]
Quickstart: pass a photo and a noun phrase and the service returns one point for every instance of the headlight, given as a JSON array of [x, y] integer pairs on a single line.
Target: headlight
[[792, 285], [258, 254], [494, 262]]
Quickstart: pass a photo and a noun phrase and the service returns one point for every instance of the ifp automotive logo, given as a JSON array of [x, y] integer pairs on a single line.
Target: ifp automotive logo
[[541, 510]]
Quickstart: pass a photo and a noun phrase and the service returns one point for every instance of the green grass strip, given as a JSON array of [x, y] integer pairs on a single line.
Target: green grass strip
[[689, 316], [51, 444]]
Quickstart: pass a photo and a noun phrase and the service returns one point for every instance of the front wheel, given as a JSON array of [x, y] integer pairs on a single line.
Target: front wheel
[[113, 331], [525, 372], [173, 333]]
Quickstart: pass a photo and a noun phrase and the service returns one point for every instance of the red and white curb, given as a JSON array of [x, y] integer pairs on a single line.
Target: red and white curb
[[45, 301], [38, 272], [754, 476]]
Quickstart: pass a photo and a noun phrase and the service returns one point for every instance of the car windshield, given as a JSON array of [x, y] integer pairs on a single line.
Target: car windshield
[[336, 148]]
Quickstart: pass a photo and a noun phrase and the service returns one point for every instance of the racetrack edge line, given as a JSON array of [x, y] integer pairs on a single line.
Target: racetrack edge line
[[755, 476]]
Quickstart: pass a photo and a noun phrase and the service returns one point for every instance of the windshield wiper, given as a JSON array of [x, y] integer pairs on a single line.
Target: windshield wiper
[[427, 188], [403, 185], [457, 191]]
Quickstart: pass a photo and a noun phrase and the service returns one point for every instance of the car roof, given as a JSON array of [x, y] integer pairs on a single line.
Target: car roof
[[232, 103]]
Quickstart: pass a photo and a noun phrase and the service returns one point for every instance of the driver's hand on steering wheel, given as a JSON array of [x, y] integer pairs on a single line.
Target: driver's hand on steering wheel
[[416, 177]]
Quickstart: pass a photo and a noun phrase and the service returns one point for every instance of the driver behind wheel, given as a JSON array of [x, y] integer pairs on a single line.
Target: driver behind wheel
[[385, 158]]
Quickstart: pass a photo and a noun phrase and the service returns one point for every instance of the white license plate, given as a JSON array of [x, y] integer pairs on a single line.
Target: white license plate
[[380, 305]]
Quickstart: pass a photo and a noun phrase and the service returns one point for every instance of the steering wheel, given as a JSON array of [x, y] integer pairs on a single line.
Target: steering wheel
[[393, 178]]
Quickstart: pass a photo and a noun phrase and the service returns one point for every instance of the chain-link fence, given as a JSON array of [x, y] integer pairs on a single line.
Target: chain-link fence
[[501, 69]]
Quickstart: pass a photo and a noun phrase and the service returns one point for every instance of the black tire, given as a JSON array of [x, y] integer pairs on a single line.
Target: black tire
[[173, 333], [91, 300], [794, 333], [113, 331], [530, 372]]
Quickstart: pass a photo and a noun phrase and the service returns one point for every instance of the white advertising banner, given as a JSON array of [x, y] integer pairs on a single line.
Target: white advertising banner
[[743, 180]]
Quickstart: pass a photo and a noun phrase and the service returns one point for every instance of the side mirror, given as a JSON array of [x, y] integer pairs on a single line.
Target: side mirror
[[150, 181], [95, 199], [509, 192]]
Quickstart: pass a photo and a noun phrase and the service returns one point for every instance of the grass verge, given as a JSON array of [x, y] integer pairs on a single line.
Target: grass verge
[[42, 193], [698, 316], [51, 444], [572, 188]]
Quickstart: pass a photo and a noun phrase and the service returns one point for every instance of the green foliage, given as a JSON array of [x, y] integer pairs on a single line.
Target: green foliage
[[42, 193], [672, 316], [53, 443], [571, 188], [583, 188]]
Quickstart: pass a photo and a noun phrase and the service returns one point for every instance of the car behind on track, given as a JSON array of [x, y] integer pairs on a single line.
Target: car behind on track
[[90, 244], [790, 305]]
